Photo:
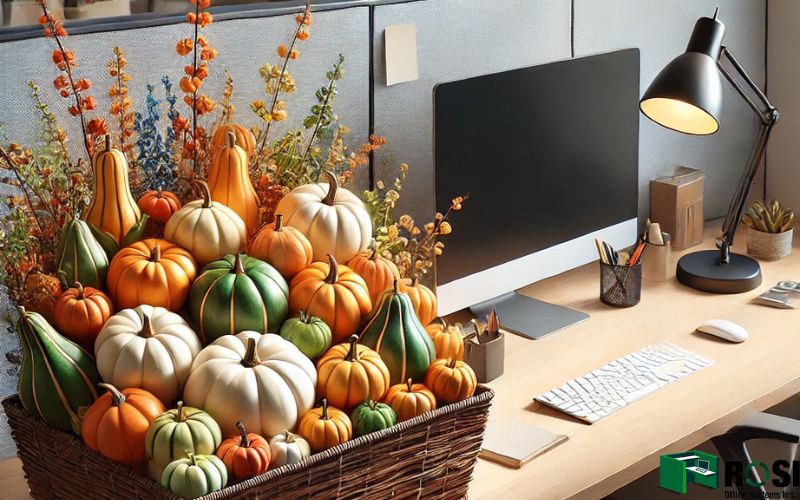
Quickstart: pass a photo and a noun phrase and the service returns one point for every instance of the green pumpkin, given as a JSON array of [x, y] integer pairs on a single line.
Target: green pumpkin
[[58, 378], [80, 257], [238, 293], [309, 333], [394, 330], [177, 433], [371, 416], [195, 476]]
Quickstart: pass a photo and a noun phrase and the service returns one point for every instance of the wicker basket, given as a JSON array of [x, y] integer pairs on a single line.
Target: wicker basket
[[769, 246], [430, 456]]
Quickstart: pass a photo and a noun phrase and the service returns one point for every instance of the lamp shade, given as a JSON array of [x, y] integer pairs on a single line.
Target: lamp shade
[[686, 96]]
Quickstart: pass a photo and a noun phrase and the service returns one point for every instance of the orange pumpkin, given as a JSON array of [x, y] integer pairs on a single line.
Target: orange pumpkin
[[117, 422], [451, 380], [245, 455], [80, 314], [284, 247], [348, 375], [325, 427], [422, 299], [244, 137], [229, 182], [410, 400], [112, 210], [159, 205], [378, 272], [152, 271], [447, 339], [333, 293]]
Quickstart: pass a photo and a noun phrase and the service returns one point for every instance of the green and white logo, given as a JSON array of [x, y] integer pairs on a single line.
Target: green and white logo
[[679, 469]]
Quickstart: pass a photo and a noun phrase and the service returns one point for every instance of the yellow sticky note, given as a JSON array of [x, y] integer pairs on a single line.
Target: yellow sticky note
[[400, 53]]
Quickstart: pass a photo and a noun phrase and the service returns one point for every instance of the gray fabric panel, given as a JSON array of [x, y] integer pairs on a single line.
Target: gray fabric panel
[[455, 39], [661, 30], [243, 45]]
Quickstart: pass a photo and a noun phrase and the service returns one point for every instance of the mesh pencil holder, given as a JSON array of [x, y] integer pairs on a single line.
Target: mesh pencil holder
[[620, 286]]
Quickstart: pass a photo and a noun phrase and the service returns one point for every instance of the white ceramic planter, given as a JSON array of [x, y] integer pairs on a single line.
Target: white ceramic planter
[[769, 246]]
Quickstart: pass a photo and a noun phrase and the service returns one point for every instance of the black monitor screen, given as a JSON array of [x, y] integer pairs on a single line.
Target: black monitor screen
[[547, 153]]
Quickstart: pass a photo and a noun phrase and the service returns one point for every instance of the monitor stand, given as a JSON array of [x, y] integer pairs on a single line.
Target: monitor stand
[[528, 317]]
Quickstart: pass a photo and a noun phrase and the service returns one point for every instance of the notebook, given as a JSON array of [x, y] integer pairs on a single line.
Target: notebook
[[514, 443]]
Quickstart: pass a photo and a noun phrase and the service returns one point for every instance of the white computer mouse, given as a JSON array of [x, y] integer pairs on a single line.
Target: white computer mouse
[[724, 329]]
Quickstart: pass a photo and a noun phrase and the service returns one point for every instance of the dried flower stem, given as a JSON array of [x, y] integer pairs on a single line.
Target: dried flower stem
[[300, 25], [121, 98], [12, 165], [322, 108], [68, 71]]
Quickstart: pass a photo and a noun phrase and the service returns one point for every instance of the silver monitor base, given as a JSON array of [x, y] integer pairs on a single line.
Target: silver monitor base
[[529, 317]]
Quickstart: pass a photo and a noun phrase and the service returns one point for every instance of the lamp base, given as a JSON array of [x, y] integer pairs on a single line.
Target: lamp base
[[703, 271]]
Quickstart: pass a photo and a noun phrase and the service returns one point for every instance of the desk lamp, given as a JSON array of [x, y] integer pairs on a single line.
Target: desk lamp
[[687, 97]]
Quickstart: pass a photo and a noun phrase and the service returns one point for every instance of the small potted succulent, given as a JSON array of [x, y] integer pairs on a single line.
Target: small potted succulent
[[771, 227]]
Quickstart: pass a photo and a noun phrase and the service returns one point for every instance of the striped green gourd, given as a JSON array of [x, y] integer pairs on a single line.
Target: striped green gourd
[[178, 432], [238, 293], [372, 416], [80, 257], [58, 378], [394, 330]]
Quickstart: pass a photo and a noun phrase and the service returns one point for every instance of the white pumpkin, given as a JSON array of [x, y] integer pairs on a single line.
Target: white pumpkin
[[262, 380], [287, 448], [333, 219], [207, 229], [148, 347]]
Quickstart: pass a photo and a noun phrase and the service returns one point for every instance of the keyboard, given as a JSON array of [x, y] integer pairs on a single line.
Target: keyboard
[[605, 390]]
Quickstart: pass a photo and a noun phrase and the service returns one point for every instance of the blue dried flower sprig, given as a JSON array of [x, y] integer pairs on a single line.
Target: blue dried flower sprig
[[155, 155]]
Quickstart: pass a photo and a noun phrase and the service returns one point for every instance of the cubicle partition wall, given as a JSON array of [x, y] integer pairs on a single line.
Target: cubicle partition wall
[[455, 39]]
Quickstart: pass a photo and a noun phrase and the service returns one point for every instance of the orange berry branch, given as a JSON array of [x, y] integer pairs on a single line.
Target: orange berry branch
[[66, 83]]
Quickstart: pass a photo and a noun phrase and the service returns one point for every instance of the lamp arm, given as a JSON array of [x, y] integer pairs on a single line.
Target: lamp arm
[[768, 116]]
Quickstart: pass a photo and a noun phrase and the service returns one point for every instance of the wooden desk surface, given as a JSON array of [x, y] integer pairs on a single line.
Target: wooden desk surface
[[600, 458], [603, 457]]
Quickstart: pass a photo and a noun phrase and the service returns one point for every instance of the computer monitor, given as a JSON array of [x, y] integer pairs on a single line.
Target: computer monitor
[[703, 464], [549, 155]]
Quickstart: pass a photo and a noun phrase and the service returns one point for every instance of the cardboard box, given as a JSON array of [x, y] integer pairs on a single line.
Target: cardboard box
[[676, 203]]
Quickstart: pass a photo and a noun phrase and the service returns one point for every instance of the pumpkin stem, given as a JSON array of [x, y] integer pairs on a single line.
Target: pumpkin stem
[[372, 404], [288, 437], [147, 328], [108, 142], [245, 443], [206, 192], [62, 277], [333, 272], [193, 458], [374, 253], [304, 316], [181, 416], [414, 280], [230, 139], [250, 356], [333, 186], [451, 362], [324, 415], [278, 223], [238, 267], [116, 396], [77, 286], [394, 286], [409, 382], [352, 354], [155, 253], [159, 193]]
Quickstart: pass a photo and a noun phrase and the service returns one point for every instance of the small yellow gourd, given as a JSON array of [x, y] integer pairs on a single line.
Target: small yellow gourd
[[229, 182]]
